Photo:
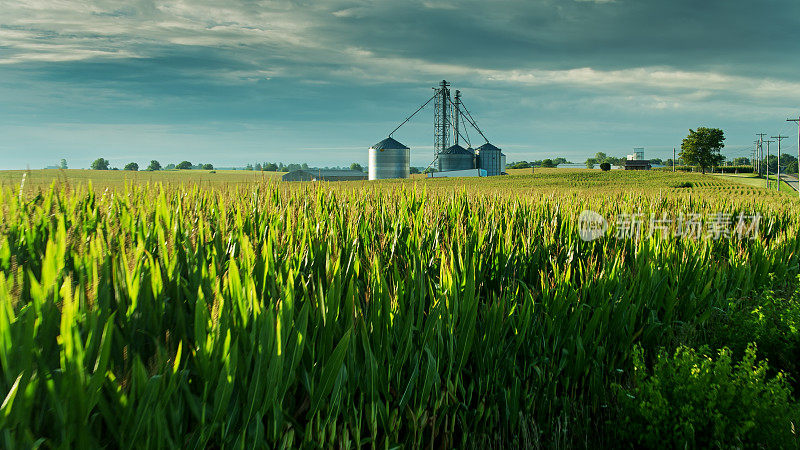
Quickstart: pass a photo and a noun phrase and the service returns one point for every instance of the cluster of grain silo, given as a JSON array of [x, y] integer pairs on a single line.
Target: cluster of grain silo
[[486, 157], [391, 159]]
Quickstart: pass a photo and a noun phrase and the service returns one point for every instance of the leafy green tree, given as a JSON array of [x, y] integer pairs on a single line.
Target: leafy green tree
[[590, 163], [63, 165], [170, 167], [154, 165], [248, 167], [258, 167], [430, 170], [792, 167], [184, 165], [548, 163], [702, 147], [657, 161], [304, 166], [560, 160], [132, 166], [208, 166], [413, 170], [270, 167], [100, 164], [356, 166]]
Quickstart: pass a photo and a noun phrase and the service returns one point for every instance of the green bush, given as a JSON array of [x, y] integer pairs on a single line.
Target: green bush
[[769, 321], [692, 400]]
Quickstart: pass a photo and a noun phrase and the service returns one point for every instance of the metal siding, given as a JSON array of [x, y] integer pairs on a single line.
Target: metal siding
[[455, 161], [390, 163], [489, 160]]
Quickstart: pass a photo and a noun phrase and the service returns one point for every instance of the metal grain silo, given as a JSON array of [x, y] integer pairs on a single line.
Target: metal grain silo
[[490, 158], [388, 159], [456, 158]]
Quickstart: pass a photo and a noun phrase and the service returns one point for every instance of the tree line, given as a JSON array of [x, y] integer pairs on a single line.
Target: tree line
[[281, 167], [103, 164], [547, 162]]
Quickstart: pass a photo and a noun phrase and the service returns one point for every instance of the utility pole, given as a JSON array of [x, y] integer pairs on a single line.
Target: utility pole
[[798, 151], [779, 138], [673, 159], [760, 152], [766, 162]]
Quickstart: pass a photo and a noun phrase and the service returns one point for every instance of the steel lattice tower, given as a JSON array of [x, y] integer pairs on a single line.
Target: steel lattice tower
[[441, 120]]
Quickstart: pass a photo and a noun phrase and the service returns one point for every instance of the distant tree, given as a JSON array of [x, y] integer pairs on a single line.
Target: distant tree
[[63, 164], [184, 165], [270, 167], [657, 161], [357, 166], [430, 170], [115, 168], [548, 163], [741, 161], [170, 167], [132, 166], [701, 147], [519, 165], [100, 164], [413, 170], [208, 166], [293, 167], [258, 167], [304, 166], [792, 167], [590, 163], [605, 167], [154, 165], [560, 160], [248, 167]]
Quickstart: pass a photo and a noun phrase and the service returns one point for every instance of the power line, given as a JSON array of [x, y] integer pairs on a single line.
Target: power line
[[760, 151], [779, 138], [412, 115], [766, 165]]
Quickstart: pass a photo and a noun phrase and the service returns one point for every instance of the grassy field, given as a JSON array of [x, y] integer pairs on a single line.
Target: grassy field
[[102, 179], [229, 310], [750, 179]]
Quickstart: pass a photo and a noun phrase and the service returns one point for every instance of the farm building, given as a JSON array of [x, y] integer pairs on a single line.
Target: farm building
[[637, 164], [324, 175]]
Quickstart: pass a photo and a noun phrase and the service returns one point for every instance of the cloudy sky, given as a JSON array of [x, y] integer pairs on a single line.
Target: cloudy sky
[[320, 81]]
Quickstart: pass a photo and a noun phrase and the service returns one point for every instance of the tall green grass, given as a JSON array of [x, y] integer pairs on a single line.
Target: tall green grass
[[317, 316]]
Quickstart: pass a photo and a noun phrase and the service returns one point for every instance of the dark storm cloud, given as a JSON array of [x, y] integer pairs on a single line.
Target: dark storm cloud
[[528, 66], [565, 34]]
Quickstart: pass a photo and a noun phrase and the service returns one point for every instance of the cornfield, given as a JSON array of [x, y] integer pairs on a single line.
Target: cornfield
[[316, 316]]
